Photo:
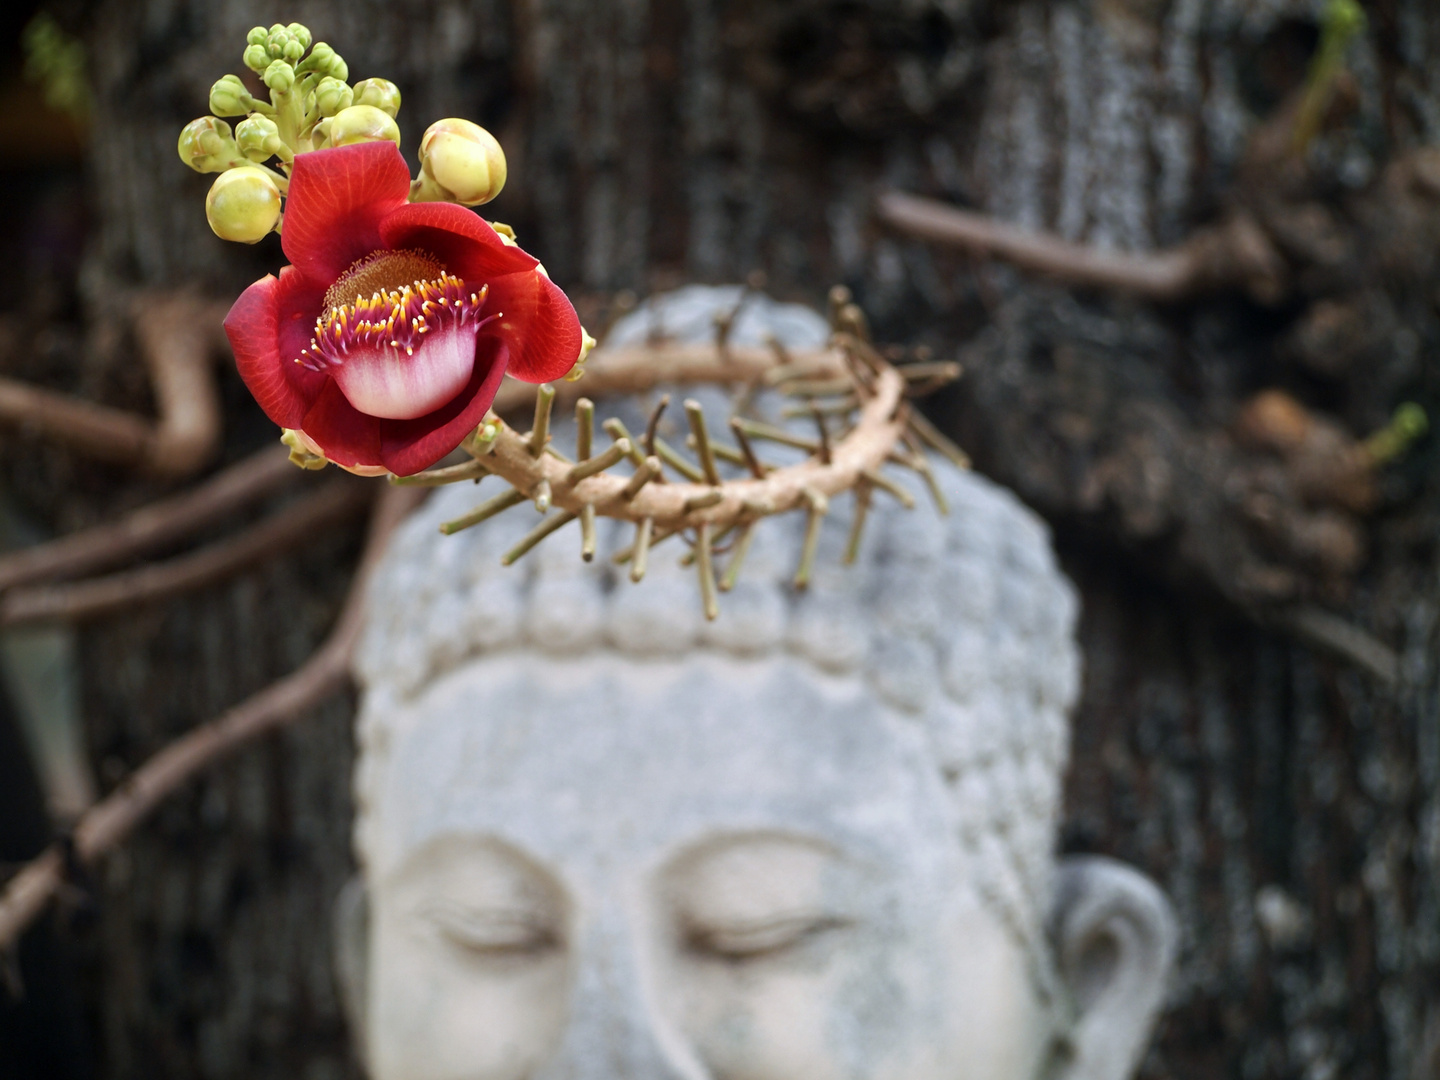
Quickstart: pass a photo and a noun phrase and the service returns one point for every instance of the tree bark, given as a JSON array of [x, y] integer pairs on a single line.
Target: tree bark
[[1288, 802]]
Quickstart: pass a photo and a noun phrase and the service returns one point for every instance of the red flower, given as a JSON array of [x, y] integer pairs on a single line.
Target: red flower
[[386, 339]]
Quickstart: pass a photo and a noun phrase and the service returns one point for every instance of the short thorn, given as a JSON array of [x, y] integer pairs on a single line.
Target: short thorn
[[649, 470], [653, 425], [706, 568], [696, 415], [542, 496], [818, 506], [612, 456], [616, 429], [451, 474], [540, 432], [884, 483], [535, 535], [488, 509], [587, 532], [641, 553], [670, 456], [757, 468], [483, 441], [863, 493], [584, 428], [737, 558], [701, 502]]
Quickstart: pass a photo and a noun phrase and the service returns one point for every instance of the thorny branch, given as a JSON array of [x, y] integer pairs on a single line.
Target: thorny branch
[[27, 894]]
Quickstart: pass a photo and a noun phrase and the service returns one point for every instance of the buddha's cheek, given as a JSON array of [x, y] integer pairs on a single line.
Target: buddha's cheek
[[777, 1019], [436, 1012], [957, 1004]]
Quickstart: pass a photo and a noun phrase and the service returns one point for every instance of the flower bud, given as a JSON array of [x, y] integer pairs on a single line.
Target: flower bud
[[362, 123], [243, 205], [257, 58], [253, 137], [228, 97], [256, 36], [332, 95], [205, 145], [279, 76], [464, 160], [304, 452], [382, 93], [301, 34], [326, 61]]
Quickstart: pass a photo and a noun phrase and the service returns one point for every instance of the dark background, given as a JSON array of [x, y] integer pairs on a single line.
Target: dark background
[[651, 143]]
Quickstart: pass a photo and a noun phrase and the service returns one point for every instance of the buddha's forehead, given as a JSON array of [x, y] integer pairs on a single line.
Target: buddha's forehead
[[605, 760]]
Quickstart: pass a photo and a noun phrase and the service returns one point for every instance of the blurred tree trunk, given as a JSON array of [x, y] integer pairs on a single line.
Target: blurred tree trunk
[[1288, 802]]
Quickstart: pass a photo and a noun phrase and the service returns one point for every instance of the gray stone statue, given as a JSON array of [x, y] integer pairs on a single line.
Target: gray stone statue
[[812, 840]]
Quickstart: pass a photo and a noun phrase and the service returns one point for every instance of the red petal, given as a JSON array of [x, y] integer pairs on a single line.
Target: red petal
[[459, 238], [261, 327], [336, 202], [538, 323], [347, 435], [411, 446]]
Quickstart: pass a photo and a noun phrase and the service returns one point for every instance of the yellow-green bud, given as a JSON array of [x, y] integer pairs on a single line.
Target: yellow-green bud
[[464, 160], [332, 95], [228, 97], [243, 205], [301, 34], [382, 93], [325, 61], [1344, 18], [256, 36], [253, 137], [206, 146], [362, 123], [257, 58], [279, 76]]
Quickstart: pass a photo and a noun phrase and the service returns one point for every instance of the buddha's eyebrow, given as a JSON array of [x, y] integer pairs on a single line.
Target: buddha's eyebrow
[[452, 858]]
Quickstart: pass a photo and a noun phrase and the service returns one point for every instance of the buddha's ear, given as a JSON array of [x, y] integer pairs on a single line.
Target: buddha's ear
[[351, 945], [1115, 938]]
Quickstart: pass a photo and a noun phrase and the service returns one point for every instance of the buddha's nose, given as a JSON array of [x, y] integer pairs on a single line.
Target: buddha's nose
[[614, 1030]]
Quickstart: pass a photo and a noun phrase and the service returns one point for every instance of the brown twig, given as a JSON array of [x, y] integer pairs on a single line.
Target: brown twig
[[151, 527], [100, 596], [1344, 639], [177, 336], [28, 893], [1235, 253]]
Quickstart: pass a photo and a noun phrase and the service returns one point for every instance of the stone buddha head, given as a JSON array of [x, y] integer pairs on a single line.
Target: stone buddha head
[[603, 839]]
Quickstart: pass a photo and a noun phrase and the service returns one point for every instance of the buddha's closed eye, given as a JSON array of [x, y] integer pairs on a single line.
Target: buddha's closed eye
[[752, 938], [491, 932]]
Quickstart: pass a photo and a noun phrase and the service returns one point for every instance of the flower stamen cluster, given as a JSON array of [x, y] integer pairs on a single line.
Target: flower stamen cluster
[[394, 319]]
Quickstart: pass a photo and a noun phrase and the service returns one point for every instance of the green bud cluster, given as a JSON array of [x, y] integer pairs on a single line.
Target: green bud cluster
[[311, 106]]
